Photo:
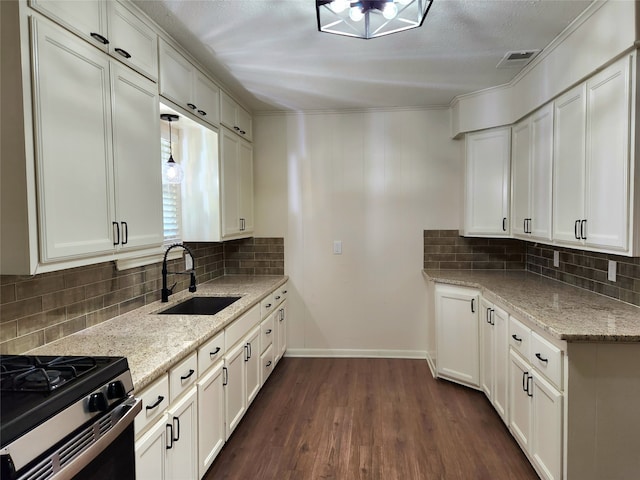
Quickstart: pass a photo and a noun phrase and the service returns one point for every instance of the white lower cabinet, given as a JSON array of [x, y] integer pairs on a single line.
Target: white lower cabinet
[[211, 435], [150, 452], [235, 398], [457, 334], [494, 350], [252, 364], [281, 327], [182, 437]]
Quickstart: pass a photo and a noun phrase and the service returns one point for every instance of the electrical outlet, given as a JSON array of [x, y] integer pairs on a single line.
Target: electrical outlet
[[613, 266], [337, 247], [188, 262], [556, 258]]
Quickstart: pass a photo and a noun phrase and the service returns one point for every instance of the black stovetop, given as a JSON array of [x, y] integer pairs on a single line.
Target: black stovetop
[[35, 388]]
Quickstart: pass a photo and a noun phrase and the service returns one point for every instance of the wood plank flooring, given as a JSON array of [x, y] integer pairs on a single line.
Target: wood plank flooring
[[361, 419]]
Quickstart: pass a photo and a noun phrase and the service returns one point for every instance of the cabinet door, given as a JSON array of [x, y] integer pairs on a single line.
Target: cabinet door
[[501, 362], [541, 169], [229, 149], [546, 435], [73, 145], [281, 320], [132, 41], [182, 448], [569, 164], [210, 418], [519, 400], [82, 18], [252, 364], [245, 187], [487, 347], [150, 452], [136, 150], [457, 334], [607, 155], [520, 163], [244, 123], [228, 111], [207, 99], [487, 182], [234, 388], [176, 76]]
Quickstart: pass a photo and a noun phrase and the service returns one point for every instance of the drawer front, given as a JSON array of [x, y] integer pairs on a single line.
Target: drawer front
[[280, 294], [182, 376], [155, 400], [267, 306], [267, 332], [210, 353], [547, 359], [239, 328], [266, 360], [520, 337]]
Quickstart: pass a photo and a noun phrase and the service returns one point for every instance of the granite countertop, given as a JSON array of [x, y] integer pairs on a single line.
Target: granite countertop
[[154, 343], [564, 311]]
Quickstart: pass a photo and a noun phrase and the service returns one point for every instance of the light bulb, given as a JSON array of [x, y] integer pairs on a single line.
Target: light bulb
[[390, 10], [356, 14], [172, 172], [339, 6]]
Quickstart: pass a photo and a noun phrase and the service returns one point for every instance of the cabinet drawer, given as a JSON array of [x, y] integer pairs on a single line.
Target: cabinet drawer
[[239, 328], [519, 337], [267, 332], [182, 376], [267, 305], [155, 400], [210, 353], [547, 359], [266, 360], [280, 295]]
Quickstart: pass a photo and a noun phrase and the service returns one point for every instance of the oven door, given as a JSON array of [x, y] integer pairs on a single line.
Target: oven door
[[102, 450]]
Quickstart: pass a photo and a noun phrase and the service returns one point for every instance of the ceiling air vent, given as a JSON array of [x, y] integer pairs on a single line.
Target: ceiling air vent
[[517, 58]]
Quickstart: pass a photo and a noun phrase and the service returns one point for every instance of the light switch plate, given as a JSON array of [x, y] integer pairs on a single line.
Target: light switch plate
[[337, 247], [556, 258], [613, 266]]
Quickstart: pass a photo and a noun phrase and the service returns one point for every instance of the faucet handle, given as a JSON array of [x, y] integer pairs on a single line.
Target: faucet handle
[[192, 284]]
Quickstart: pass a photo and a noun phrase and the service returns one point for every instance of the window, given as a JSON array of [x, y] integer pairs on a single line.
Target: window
[[171, 208]]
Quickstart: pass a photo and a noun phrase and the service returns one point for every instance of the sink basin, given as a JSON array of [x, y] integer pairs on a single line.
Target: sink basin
[[200, 306]]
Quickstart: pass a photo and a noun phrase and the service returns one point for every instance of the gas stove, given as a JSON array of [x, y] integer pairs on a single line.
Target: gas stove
[[49, 405]]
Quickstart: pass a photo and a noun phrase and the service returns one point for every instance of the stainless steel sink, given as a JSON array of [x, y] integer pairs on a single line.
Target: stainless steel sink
[[200, 306]]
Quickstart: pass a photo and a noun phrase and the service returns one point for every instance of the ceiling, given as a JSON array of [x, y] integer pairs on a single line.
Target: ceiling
[[270, 54]]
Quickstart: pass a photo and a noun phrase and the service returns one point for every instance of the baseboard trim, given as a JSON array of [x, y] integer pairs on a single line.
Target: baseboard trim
[[340, 353], [432, 366]]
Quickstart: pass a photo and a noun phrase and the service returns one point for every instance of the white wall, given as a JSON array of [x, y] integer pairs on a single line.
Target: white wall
[[374, 180]]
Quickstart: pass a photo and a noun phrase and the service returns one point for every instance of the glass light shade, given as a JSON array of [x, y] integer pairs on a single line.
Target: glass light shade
[[371, 18], [172, 172], [339, 6]]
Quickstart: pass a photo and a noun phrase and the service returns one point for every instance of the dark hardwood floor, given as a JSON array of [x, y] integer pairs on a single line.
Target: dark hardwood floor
[[382, 419]]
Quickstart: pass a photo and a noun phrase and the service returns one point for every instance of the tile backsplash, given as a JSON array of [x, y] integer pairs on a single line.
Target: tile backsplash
[[35, 310], [446, 249]]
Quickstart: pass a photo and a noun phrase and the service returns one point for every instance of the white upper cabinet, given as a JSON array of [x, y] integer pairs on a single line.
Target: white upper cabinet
[[110, 26], [97, 150], [235, 117], [188, 88], [593, 168], [487, 183], [532, 153]]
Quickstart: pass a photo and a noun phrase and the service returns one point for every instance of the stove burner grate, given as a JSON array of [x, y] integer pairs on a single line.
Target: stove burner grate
[[38, 374]]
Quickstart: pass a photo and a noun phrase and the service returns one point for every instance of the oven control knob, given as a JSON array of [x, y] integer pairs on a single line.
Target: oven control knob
[[116, 390], [98, 402]]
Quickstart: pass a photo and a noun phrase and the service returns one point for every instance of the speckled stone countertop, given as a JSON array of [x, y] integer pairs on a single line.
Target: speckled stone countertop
[[564, 311], [154, 343]]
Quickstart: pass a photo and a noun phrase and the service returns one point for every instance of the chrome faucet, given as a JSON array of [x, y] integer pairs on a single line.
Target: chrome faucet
[[192, 285]]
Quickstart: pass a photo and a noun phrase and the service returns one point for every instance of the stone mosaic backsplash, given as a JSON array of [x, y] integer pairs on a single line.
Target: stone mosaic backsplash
[[447, 250], [35, 310]]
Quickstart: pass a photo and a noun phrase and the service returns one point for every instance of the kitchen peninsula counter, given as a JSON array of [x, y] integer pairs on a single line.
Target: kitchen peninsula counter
[[563, 311], [154, 343]]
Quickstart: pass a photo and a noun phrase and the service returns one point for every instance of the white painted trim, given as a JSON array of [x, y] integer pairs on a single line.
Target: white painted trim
[[348, 353], [347, 111], [432, 366]]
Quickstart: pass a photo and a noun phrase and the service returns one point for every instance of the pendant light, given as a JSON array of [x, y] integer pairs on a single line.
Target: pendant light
[[171, 171]]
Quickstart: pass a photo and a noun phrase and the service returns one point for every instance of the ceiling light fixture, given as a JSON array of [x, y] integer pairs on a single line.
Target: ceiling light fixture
[[171, 171], [370, 18]]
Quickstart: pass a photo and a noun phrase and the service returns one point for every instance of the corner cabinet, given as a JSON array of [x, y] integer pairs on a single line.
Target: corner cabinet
[[487, 181], [234, 117], [96, 147], [236, 161], [456, 312]]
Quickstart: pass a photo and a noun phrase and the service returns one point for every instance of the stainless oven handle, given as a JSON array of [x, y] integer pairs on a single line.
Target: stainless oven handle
[[132, 407]]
